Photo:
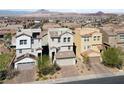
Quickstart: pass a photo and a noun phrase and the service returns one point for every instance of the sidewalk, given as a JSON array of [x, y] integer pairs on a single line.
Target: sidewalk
[[76, 78]]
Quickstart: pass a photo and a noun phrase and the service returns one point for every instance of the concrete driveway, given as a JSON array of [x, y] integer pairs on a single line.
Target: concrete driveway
[[98, 68], [69, 71], [23, 77]]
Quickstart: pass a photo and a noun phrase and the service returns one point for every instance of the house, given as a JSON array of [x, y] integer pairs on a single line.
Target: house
[[3, 47], [87, 41], [28, 48], [60, 41], [109, 36], [9, 29], [113, 36], [46, 26]]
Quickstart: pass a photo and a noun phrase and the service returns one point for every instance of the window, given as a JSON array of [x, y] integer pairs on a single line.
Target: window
[[58, 39], [94, 38], [69, 39], [32, 41], [98, 38], [69, 47], [122, 37], [88, 47], [64, 39], [86, 39], [23, 42], [20, 51]]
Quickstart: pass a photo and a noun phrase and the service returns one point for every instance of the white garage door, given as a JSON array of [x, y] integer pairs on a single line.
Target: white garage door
[[65, 62], [26, 66]]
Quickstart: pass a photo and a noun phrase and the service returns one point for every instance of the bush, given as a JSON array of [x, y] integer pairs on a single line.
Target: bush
[[56, 67], [45, 67], [12, 73], [3, 75], [111, 57]]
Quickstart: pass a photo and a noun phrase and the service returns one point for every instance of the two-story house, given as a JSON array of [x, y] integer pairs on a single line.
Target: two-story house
[[28, 48], [87, 41], [113, 36], [60, 41]]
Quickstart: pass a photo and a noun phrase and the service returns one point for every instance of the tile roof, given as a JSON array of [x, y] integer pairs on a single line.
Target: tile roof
[[25, 56], [87, 31], [57, 32], [87, 52]]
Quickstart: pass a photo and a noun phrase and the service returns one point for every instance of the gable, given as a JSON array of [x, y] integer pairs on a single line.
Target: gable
[[66, 33]]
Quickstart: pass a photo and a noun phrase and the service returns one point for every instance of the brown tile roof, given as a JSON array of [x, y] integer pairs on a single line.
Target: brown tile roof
[[44, 33], [22, 34], [25, 56], [54, 34], [88, 52], [65, 54], [6, 31], [108, 30]]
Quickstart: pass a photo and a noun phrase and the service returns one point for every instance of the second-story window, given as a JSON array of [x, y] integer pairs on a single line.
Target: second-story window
[[69, 39], [32, 41], [86, 39], [122, 37], [64, 39], [23, 42], [98, 38], [94, 38]]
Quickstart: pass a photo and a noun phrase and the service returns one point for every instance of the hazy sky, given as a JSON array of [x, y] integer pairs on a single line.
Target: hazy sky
[[80, 10]]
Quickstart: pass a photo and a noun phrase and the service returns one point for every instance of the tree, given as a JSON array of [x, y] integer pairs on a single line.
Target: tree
[[111, 57], [85, 58], [86, 61], [45, 67], [8, 37]]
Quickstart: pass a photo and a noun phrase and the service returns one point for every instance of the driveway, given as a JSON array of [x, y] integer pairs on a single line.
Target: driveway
[[23, 77], [98, 68], [69, 71]]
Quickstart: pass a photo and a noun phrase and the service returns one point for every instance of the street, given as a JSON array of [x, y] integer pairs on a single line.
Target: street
[[106, 80]]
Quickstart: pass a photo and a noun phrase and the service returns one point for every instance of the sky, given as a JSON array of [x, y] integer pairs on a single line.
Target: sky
[[79, 10]]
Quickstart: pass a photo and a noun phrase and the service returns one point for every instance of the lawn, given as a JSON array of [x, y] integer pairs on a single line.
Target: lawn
[[5, 59]]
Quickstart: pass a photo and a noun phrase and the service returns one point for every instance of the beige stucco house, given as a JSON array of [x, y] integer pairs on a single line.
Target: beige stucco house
[[87, 41]]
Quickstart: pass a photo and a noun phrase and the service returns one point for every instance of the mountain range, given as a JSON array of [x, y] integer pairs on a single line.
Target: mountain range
[[42, 13]]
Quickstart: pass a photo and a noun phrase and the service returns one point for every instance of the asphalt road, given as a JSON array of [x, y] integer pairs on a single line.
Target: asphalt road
[[107, 80]]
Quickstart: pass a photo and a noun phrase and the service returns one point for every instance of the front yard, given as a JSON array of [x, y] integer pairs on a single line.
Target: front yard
[[5, 59], [47, 70]]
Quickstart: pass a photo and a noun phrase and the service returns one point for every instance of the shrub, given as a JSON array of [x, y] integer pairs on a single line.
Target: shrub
[[111, 57]]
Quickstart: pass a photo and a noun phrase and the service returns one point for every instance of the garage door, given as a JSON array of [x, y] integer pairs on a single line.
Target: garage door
[[26, 66], [94, 59], [65, 62]]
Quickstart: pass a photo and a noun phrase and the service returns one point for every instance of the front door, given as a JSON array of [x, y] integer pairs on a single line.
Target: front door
[[53, 54]]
